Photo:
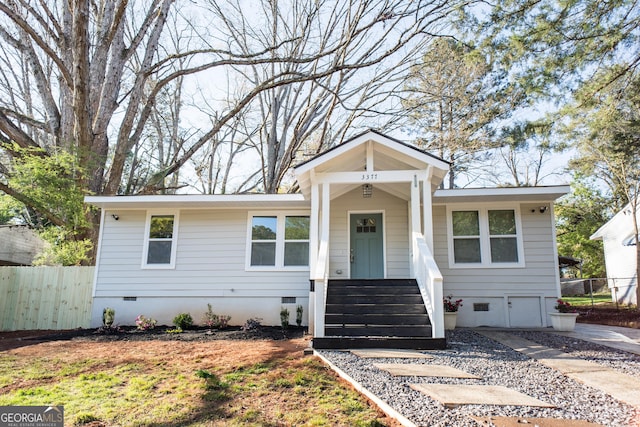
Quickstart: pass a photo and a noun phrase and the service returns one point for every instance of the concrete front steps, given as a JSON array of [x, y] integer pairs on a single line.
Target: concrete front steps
[[380, 313]]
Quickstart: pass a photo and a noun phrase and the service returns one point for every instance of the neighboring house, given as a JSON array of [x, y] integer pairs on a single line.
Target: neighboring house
[[19, 245], [368, 209], [620, 255]]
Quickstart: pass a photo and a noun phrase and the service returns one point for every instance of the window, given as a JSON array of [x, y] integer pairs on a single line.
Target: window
[[160, 241], [485, 237], [502, 236], [279, 241], [466, 236], [296, 240], [263, 238]]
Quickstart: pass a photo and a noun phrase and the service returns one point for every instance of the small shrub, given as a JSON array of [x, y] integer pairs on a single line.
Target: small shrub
[[213, 320], [223, 321], [252, 324], [284, 318], [108, 316], [210, 319], [183, 321], [145, 323], [299, 311]]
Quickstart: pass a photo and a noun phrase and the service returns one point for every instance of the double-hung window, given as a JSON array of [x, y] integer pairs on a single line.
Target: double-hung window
[[160, 241], [278, 241], [485, 237], [503, 238]]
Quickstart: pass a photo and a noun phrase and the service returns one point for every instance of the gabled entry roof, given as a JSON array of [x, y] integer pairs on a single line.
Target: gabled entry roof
[[387, 154]]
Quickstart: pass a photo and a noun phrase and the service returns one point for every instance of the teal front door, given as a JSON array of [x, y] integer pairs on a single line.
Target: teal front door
[[366, 253]]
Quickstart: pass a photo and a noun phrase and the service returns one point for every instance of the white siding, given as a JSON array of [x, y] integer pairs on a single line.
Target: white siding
[[538, 278], [395, 217], [210, 264], [620, 260]]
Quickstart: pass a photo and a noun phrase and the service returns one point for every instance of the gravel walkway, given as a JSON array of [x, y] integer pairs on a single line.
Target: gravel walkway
[[498, 365]]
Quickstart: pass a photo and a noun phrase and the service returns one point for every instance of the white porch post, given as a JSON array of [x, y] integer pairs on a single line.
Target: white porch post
[[313, 250], [427, 208], [321, 268], [415, 221]]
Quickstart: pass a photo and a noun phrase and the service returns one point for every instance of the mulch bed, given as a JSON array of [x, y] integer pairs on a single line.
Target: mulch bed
[[599, 314], [610, 315], [9, 340]]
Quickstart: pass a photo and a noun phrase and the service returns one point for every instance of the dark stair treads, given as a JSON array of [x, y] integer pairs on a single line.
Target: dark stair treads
[[377, 331], [376, 313], [376, 319]]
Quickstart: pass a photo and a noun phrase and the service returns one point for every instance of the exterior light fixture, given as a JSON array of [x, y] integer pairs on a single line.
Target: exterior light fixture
[[367, 190]]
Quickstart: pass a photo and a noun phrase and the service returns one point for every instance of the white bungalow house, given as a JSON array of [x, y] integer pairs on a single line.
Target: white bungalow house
[[369, 248], [620, 255]]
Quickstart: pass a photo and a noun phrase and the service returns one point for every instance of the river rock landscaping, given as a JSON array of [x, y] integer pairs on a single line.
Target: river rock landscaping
[[496, 364]]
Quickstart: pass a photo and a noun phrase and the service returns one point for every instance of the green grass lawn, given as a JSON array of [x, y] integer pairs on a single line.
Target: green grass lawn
[[586, 299]]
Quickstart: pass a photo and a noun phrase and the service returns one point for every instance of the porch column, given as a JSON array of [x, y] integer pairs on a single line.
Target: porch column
[[313, 251], [322, 264], [427, 208], [415, 221], [313, 227]]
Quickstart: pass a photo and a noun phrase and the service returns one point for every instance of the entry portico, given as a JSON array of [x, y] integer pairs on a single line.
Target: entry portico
[[371, 202]]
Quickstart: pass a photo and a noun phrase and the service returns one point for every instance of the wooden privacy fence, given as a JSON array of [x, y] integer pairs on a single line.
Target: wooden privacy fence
[[45, 297]]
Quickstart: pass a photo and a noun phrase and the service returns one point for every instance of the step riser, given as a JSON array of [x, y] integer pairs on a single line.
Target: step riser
[[372, 290], [379, 331], [340, 343], [375, 319], [373, 282], [375, 309], [374, 299]]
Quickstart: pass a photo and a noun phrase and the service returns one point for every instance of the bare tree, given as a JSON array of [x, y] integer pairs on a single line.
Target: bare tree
[[523, 159], [88, 77], [372, 45]]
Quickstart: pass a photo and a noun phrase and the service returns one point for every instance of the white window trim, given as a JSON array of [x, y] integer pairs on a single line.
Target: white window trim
[[485, 244], [174, 241], [281, 218]]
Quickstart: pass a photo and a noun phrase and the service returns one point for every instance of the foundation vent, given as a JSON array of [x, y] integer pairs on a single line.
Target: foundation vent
[[480, 306]]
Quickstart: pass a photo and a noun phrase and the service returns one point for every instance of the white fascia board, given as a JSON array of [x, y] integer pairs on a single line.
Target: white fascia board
[[499, 194], [217, 201], [377, 138], [332, 153], [600, 232]]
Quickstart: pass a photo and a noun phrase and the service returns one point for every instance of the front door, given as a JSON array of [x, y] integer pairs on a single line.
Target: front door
[[367, 259]]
